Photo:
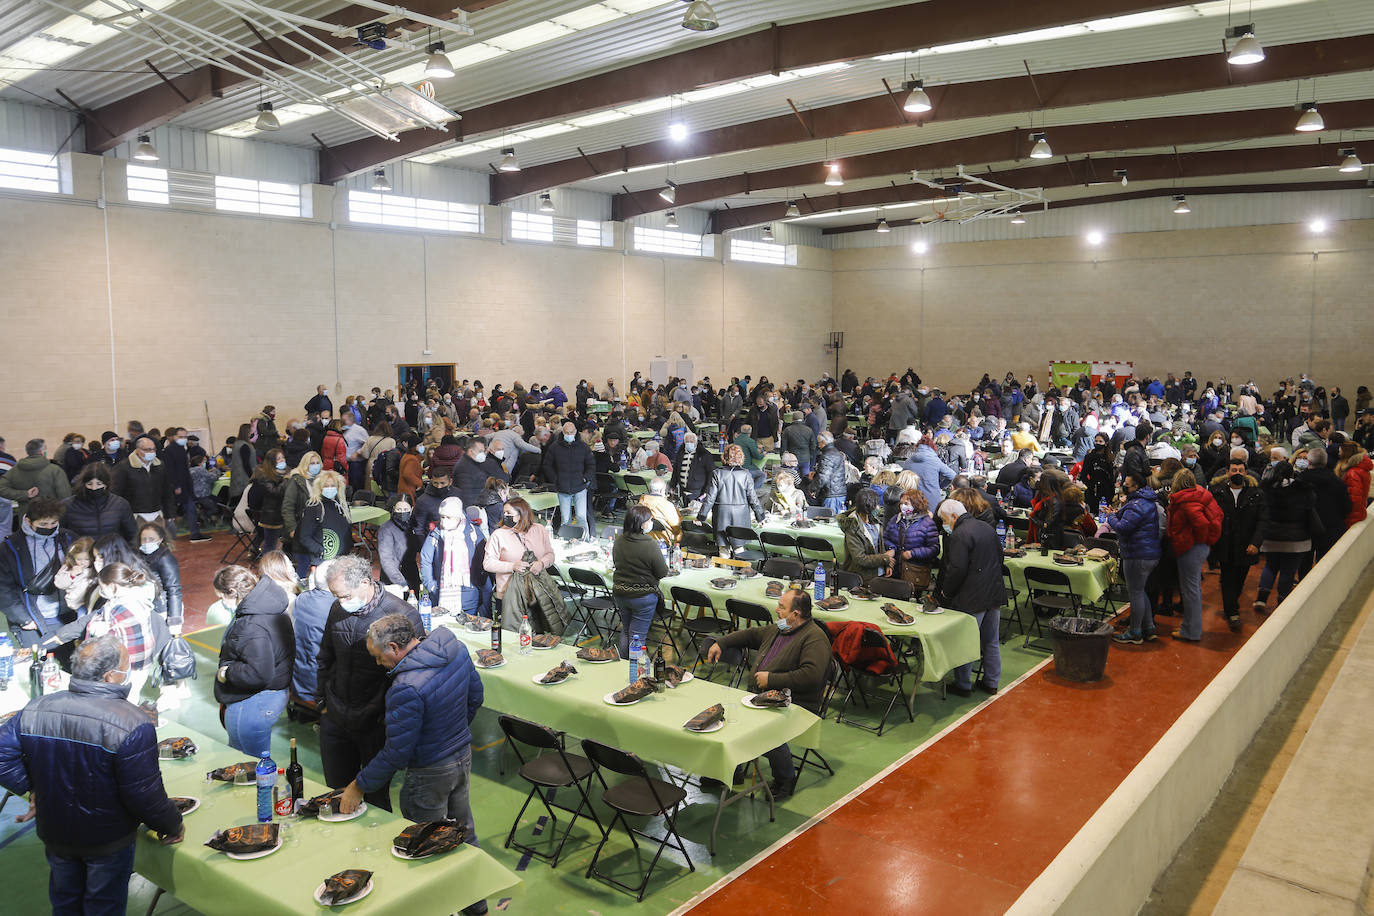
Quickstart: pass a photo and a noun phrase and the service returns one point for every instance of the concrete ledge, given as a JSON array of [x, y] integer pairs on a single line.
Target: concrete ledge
[[1111, 864]]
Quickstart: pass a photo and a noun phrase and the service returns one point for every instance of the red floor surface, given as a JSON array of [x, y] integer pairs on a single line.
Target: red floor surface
[[967, 825]]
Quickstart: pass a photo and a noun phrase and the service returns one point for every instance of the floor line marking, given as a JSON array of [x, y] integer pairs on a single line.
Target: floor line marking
[[850, 796]]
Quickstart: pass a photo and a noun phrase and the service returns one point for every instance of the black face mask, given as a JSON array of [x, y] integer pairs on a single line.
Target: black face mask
[[44, 531], [1237, 480], [507, 521]]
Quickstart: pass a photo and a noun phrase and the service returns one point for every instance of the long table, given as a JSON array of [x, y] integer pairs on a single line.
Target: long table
[[824, 529], [539, 502], [1090, 582], [285, 881]]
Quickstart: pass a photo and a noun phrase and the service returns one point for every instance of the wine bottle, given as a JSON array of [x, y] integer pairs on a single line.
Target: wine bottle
[[295, 778], [660, 666], [496, 633]]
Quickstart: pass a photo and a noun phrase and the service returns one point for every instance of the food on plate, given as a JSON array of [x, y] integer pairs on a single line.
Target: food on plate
[[774, 590], [705, 719], [588, 654], [474, 623], [176, 748], [345, 884], [862, 593], [558, 673], [546, 640], [781, 697], [833, 603], [723, 583], [638, 690], [1065, 560], [329, 801], [430, 837], [226, 774], [489, 658], [245, 839], [184, 803], [673, 675], [896, 614], [803, 523]]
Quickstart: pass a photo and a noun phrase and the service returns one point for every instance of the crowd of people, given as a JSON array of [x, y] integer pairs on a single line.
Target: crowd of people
[[1182, 475]]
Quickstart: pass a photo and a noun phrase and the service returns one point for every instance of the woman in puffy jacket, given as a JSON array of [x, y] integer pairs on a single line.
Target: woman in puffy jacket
[[265, 501], [1354, 469], [1099, 472], [911, 532], [1194, 526], [1290, 506], [255, 658], [334, 449], [93, 510], [156, 548], [1136, 525]]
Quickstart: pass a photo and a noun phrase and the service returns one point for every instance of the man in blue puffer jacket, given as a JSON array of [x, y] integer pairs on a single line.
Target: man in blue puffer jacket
[[1137, 529], [89, 757], [433, 683]]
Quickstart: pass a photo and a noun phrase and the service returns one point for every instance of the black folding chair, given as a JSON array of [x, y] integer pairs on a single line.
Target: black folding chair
[[1013, 604], [738, 538], [1050, 594], [552, 767], [846, 579], [746, 614], [832, 679], [783, 568], [896, 589], [698, 536], [703, 625], [819, 512], [638, 796], [242, 547], [873, 638], [570, 532], [779, 544], [592, 595], [817, 545], [606, 494]]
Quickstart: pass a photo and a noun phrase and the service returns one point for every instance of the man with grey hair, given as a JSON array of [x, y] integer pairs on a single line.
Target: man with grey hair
[[971, 581], [692, 470], [668, 529], [831, 484], [1332, 501], [89, 757], [142, 479], [350, 689], [34, 477], [432, 699]]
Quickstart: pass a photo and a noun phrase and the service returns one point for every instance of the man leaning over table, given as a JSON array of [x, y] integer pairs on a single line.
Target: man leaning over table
[[971, 581], [89, 757], [433, 695], [792, 653]]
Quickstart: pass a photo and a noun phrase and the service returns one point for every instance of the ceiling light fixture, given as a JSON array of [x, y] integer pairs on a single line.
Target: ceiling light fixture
[[916, 100], [1311, 119], [834, 179], [883, 226], [920, 246], [266, 119], [1041, 148], [1350, 161], [792, 209], [379, 182], [145, 151], [700, 17], [672, 219], [677, 131], [1120, 173], [1246, 51], [1095, 237], [546, 203], [438, 67], [1018, 218], [768, 233], [1317, 225], [670, 192], [1181, 205], [508, 161]]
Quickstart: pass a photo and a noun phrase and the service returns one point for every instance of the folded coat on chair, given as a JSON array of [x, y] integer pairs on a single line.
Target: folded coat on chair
[[847, 638]]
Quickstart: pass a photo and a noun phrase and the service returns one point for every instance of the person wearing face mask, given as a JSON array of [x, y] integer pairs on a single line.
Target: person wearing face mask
[[255, 658], [93, 510], [571, 469], [142, 479], [105, 450], [692, 472], [863, 538], [911, 534], [126, 610], [1243, 515], [243, 460], [177, 461], [89, 757], [793, 653], [639, 567], [471, 471], [265, 501], [667, 519], [1332, 502], [350, 689], [437, 488], [308, 614], [29, 562], [398, 548], [320, 403], [295, 494], [34, 477], [1194, 524], [325, 530], [971, 582], [1214, 457], [451, 560], [156, 549], [1290, 523], [519, 545], [786, 498], [72, 455]]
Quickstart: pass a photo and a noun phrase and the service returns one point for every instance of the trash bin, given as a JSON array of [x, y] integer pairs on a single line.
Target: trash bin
[[1080, 647]]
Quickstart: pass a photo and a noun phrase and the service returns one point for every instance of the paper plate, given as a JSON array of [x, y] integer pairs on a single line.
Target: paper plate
[[332, 818], [609, 699], [538, 648], [245, 856], [190, 809], [400, 854], [604, 661], [362, 892], [501, 664], [935, 610], [538, 679], [749, 701], [706, 731]]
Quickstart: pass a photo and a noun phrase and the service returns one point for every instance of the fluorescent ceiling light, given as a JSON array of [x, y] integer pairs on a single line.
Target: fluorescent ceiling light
[[768, 233], [145, 151], [1181, 205], [438, 67], [66, 38], [379, 182], [883, 226], [529, 36], [546, 203], [648, 106], [1311, 119], [1246, 51], [587, 17], [508, 161], [598, 117], [1018, 218]]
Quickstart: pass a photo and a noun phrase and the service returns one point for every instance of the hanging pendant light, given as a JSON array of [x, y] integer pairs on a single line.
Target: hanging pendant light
[[792, 209], [1310, 120], [834, 179], [1181, 205], [145, 151], [672, 219], [1246, 51], [1350, 162], [916, 100], [379, 182], [883, 226], [669, 193], [438, 66], [700, 17], [768, 233], [267, 120], [546, 203], [1018, 218], [508, 161], [1041, 148]]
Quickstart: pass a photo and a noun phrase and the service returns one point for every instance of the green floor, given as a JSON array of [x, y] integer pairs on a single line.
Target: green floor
[[855, 754]]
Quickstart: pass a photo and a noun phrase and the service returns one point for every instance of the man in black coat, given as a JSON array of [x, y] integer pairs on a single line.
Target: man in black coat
[[1242, 520], [698, 464], [320, 403], [571, 469], [142, 479], [177, 459], [1333, 500], [1010, 474], [971, 581]]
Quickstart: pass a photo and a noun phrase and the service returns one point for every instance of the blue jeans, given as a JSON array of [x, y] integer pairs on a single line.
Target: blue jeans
[[636, 615], [990, 637], [835, 504], [90, 885], [1137, 571], [566, 504], [438, 792], [1283, 567], [249, 722], [1190, 564], [803, 467], [780, 762], [188, 514]]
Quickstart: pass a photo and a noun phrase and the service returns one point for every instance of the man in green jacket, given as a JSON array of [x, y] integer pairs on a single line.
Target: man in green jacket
[[33, 477], [753, 457], [793, 653]]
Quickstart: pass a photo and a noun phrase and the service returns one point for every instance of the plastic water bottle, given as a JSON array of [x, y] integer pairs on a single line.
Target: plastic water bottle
[[722, 444], [646, 667], [636, 650], [6, 661], [426, 610], [526, 636], [1102, 512], [624, 458], [663, 551], [818, 582], [267, 778], [1002, 533], [52, 674]]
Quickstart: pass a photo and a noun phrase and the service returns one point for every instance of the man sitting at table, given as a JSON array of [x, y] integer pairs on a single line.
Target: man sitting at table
[[793, 653], [971, 581], [431, 701], [668, 521], [693, 470]]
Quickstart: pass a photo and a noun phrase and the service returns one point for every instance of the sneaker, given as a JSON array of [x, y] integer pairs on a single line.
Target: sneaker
[[782, 789], [1148, 635], [987, 688], [959, 691], [1261, 607], [201, 538], [1129, 638]]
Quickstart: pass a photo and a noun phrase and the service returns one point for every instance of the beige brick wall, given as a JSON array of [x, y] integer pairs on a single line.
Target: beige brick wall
[[1251, 302]]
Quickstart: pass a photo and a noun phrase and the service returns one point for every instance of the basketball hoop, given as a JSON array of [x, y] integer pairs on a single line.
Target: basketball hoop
[[425, 89]]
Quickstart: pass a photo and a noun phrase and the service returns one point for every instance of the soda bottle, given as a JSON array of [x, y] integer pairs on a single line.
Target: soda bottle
[[267, 778], [281, 806], [52, 674], [526, 635], [426, 616], [6, 661]]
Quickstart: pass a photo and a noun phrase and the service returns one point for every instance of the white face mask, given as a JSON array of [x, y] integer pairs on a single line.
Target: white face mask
[[498, 455], [647, 527], [447, 523], [149, 548], [480, 457]]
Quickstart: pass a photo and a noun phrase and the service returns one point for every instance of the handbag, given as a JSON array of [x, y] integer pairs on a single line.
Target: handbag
[[177, 661], [916, 573]]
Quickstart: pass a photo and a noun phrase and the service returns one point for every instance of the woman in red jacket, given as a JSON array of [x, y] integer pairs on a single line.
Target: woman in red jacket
[[1194, 526], [334, 450], [1354, 469]]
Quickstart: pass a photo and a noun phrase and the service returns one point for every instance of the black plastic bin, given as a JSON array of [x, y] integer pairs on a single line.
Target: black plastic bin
[[1080, 647]]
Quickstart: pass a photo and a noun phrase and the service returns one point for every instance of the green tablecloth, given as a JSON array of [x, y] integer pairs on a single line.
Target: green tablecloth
[[642, 433], [219, 485], [827, 530], [634, 489], [368, 515], [1090, 581], [651, 728], [285, 881], [598, 407], [539, 502], [948, 640], [705, 430]]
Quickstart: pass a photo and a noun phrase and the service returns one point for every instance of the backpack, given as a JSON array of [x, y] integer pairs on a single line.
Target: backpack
[[386, 470]]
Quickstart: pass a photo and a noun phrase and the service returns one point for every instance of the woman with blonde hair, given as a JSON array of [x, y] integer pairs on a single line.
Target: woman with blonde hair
[[324, 531], [277, 566], [295, 494]]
